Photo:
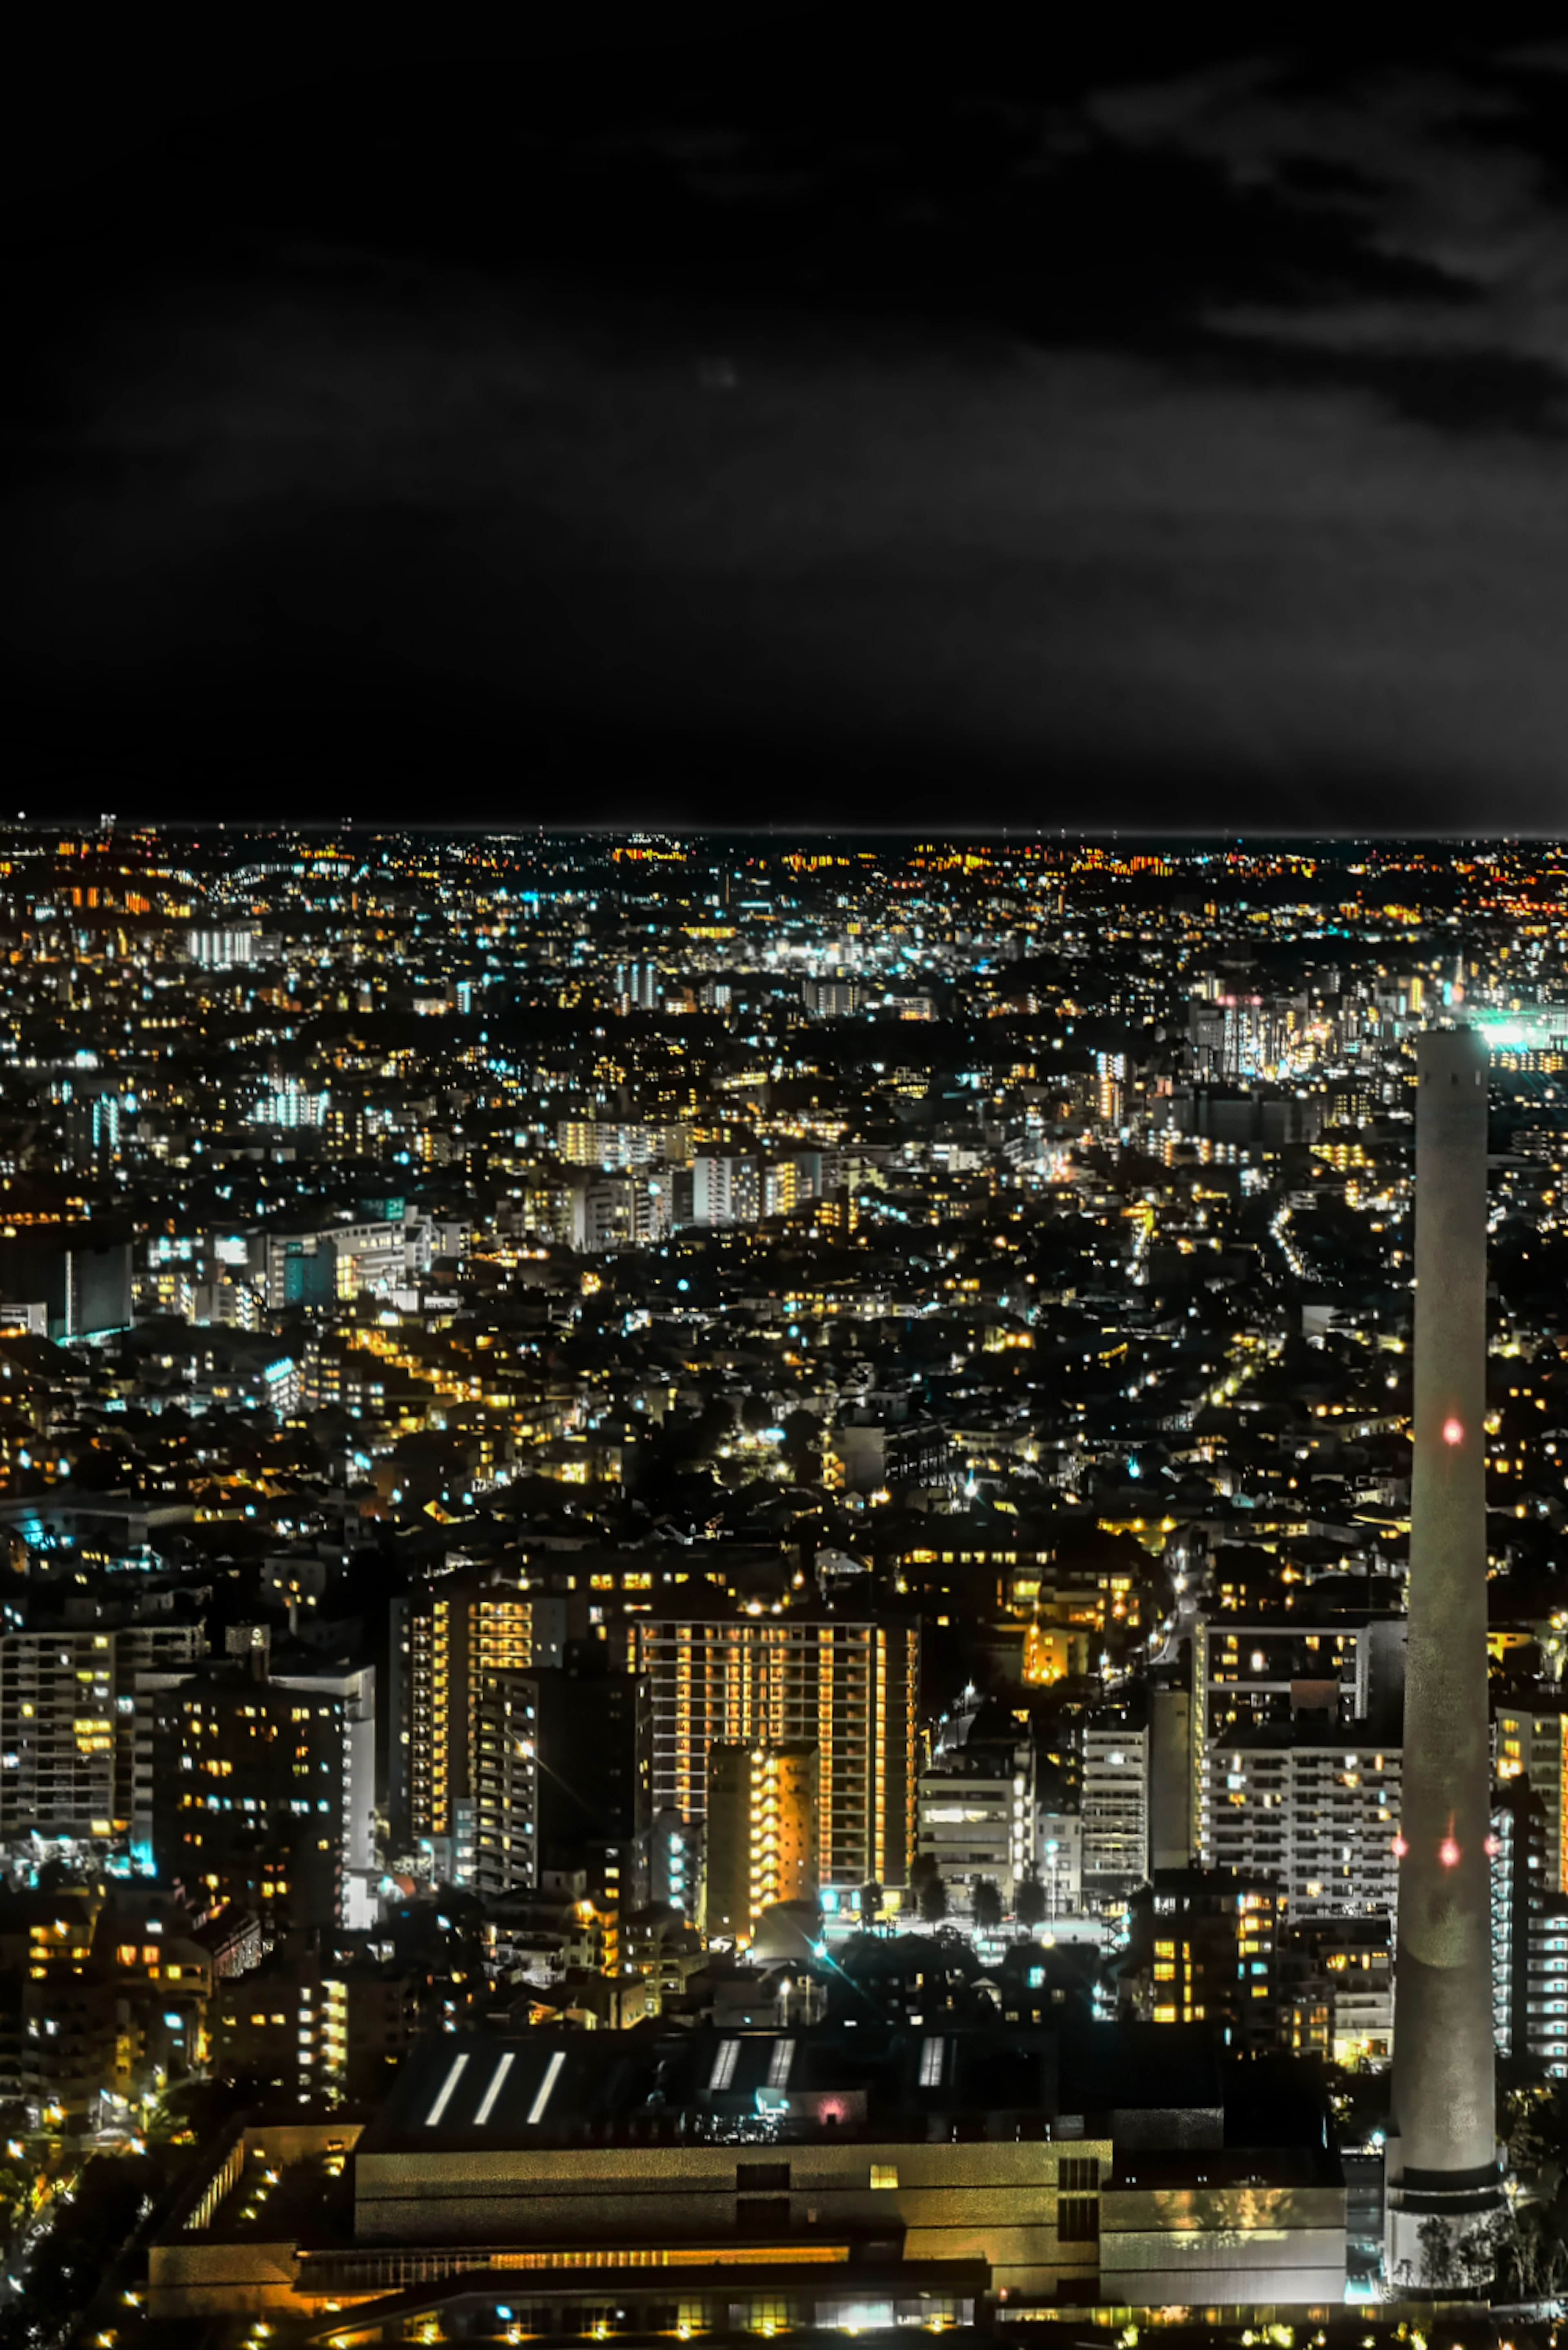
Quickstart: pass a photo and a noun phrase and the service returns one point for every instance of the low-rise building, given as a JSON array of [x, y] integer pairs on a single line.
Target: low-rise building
[[975, 1819], [710, 2180], [1337, 1975], [1205, 1949], [284, 2026]]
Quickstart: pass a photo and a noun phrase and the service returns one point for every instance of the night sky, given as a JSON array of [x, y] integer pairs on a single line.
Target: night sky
[[937, 427]]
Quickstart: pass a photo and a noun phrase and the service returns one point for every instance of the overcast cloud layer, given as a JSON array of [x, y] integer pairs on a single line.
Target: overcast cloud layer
[[712, 433]]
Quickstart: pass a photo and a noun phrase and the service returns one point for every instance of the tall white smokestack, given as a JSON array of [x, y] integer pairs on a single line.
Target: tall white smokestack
[[1442, 2151]]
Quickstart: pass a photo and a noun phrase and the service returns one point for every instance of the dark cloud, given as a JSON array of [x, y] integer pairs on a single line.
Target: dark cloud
[[1434, 174], [614, 429]]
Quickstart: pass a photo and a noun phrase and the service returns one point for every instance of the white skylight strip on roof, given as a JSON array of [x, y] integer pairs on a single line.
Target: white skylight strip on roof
[[496, 2078], [723, 2071], [546, 2086], [779, 2063], [443, 2093]]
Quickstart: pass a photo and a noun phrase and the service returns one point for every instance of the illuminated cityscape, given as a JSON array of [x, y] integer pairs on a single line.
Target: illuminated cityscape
[[784, 1181], [705, 1618]]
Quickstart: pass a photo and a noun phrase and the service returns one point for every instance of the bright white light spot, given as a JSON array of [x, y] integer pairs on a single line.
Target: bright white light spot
[[1453, 1432]]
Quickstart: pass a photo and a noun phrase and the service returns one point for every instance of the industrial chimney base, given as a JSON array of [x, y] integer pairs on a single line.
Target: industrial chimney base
[[1432, 2218]]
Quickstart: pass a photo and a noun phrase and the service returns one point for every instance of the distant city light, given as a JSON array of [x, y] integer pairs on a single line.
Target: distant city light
[[358, 1328]]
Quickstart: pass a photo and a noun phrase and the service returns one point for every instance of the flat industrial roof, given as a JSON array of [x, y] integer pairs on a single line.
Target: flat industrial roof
[[869, 2077]]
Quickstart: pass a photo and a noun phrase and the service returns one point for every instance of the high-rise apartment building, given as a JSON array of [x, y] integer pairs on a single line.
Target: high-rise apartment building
[[455, 1641], [219, 949], [1316, 1807], [848, 1686], [831, 999], [558, 1756], [249, 1793], [504, 1849], [57, 1725], [726, 1191], [621, 1210], [619, 1143], [1528, 1934], [1532, 1745], [790, 1181], [66, 1723], [762, 1840], [291, 1103], [1108, 1103], [1234, 1038], [350, 1692], [1248, 1670], [1115, 1807], [637, 986]]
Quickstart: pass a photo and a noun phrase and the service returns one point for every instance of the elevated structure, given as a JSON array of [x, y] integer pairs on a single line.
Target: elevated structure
[[1442, 2148]]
